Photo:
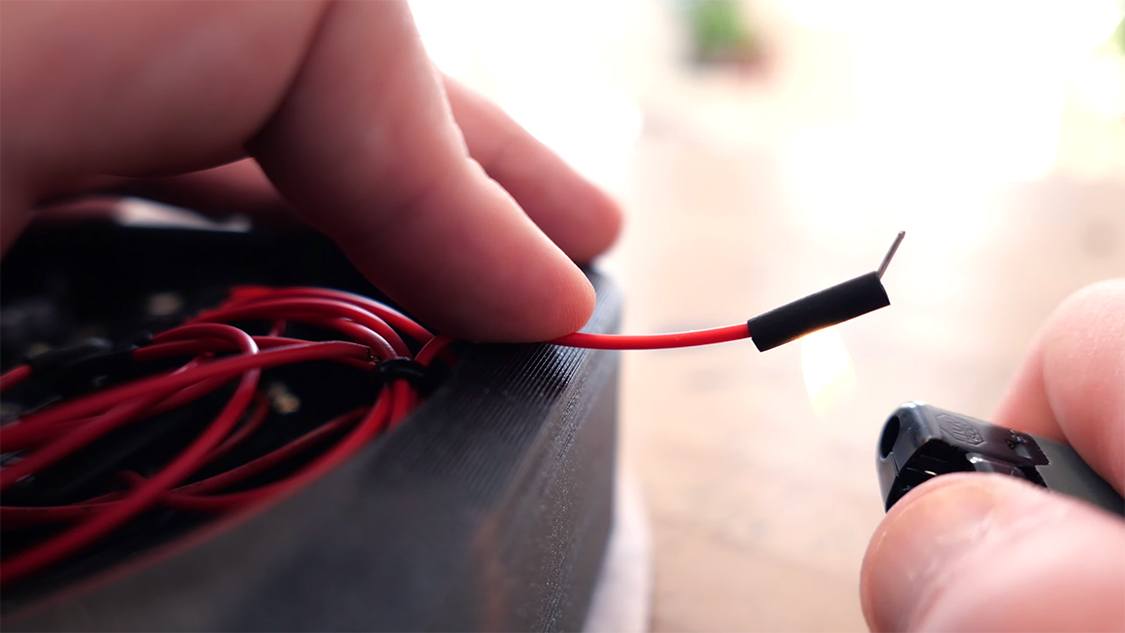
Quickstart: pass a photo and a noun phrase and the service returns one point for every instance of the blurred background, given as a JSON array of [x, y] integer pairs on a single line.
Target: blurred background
[[766, 149]]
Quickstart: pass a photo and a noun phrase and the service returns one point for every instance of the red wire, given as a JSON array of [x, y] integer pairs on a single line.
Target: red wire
[[396, 319], [374, 333], [17, 516], [299, 309], [185, 348], [375, 420], [62, 429], [14, 376], [253, 422], [381, 347], [75, 440], [384, 412], [221, 368], [21, 436], [654, 341], [74, 538], [269, 460], [112, 419]]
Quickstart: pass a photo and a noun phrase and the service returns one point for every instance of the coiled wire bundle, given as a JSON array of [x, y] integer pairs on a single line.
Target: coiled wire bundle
[[195, 360]]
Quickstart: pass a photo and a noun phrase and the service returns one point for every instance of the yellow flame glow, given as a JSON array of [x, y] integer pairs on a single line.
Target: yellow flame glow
[[828, 370]]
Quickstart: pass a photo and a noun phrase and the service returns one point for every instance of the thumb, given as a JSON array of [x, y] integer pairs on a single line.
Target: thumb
[[991, 553]]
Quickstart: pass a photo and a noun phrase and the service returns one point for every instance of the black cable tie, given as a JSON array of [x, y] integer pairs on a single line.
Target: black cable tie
[[424, 378]]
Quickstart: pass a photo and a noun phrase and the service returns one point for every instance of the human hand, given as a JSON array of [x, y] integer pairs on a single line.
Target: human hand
[[991, 553], [435, 195]]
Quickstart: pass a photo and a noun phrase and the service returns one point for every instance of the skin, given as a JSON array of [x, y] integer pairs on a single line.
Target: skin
[[329, 111], [990, 553]]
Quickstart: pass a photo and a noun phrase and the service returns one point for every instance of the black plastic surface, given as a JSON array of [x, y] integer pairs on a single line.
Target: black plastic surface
[[489, 509], [830, 306], [920, 442], [1066, 472]]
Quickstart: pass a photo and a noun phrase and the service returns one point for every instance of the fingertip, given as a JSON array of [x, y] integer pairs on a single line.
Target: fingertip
[[581, 311], [606, 218], [572, 313], [900, 557], [559, 302], [521, 287], [469, 263], [1098, 293], [974, 551]]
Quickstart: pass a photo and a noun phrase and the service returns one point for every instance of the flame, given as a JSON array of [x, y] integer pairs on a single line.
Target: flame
[[828, 370]]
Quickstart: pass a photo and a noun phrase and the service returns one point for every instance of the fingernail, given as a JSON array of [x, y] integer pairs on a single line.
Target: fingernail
[[921, 538]]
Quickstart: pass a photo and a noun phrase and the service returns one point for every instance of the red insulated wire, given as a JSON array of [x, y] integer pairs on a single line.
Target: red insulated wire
[[16, 516], [224, 367], [75, 440], [396, 319], [269, 460], [252, 423], [204, 345], [655, 341], [113, 418], [196, 495], [40, 425], [300, 308], [384, 413], [184, 348], [14, 376], [434, 348], [78, 536], [22, 436], [378, 417], [380, 347], [64, 428], [33, 437], [216, 353]]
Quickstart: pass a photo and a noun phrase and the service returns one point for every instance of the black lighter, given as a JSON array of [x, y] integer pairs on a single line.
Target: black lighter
[[920, 442]]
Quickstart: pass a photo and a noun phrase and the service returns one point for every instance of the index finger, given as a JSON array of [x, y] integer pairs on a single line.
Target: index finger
[[1072, 385], [365, 147]]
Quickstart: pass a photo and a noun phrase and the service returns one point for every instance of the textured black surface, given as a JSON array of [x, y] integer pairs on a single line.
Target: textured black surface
[[830, 306], [488, 509], [1066, 472], [920, 442]]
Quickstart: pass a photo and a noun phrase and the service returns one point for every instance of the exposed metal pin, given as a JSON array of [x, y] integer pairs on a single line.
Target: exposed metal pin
[[890, 253]]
